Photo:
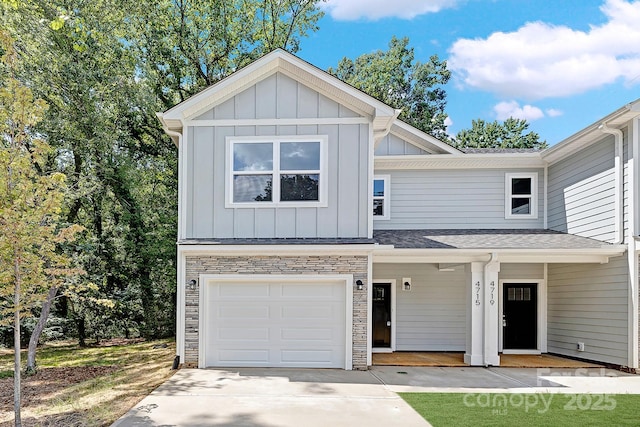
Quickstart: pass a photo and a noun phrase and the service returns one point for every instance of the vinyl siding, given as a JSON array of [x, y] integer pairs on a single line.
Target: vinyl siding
[[278, 96], [582, 192], [453, 199], [588, 303], [521, 271], [432, 316]]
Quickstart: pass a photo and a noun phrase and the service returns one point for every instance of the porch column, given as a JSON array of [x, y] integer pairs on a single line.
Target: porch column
[[491, 321], [475, 317]]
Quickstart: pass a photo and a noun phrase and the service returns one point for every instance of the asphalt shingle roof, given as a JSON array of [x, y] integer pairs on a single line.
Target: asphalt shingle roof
[[484, 239], [435, 239], [470, 150], [279, 241]]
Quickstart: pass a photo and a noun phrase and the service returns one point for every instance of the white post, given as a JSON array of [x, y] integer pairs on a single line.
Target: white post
[[491, 314], [475, 301]]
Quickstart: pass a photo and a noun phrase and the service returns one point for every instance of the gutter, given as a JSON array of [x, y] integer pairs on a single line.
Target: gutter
[[618, 179], [175, 136]]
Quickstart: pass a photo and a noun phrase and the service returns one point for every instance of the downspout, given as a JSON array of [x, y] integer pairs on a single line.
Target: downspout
[[180, 285], [619, 178]]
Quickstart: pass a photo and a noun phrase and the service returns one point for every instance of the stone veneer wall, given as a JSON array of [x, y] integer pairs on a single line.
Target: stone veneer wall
[[302, 265]]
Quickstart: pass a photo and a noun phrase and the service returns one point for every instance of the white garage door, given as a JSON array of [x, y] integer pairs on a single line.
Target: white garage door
[[275, 324]]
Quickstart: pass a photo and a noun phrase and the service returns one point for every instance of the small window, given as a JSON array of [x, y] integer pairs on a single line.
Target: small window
[[521, 195], [275, 170], [381, 197]]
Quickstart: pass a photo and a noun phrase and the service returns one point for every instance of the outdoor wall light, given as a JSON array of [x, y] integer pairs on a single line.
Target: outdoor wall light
[[406, 283], [359, 284], [192, 284]]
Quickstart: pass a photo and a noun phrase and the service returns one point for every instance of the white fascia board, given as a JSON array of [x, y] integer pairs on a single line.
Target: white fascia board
[[274, 250], [465, 161], [289, 64], [449, 256], [590, 134], [420, 139]]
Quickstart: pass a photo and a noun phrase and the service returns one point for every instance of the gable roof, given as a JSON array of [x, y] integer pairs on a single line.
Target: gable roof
[[284, 62], [591, 133], [421, 139]]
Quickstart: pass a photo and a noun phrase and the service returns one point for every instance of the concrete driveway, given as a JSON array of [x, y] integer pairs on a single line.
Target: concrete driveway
[[270, 398], [331, 397]]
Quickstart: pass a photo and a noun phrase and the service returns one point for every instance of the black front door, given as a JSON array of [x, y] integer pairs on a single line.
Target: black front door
[[520, 316], [381, 315]]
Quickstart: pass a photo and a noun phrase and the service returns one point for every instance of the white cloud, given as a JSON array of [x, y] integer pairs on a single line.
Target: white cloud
[[350, 10], [504, 110], [541, 60], [447, 121], [552, 112]]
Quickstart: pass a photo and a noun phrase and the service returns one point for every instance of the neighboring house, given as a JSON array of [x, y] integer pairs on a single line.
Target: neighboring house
[[316, 228]]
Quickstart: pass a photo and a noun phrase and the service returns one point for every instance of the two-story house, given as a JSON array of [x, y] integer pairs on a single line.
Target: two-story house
[[316, 228]]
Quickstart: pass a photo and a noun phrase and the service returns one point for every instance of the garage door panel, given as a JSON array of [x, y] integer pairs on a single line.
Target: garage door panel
[[275, 324], [244, 290], [291, 290], [239, 357], [308, 312], [307, 334], [313, 355], [238, 311], [240, 334]]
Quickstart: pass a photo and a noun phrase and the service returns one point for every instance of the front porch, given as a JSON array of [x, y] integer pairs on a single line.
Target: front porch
[[456, 359]]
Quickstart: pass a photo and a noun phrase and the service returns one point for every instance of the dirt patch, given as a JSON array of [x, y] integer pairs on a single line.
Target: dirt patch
[[45, 384]]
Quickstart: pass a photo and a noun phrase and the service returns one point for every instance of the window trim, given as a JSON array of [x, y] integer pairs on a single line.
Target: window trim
[[386, 208], [276, 172], [533, 213]]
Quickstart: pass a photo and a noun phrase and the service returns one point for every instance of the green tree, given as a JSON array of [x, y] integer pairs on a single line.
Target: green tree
[[186, 45], [512, 133], [30, 206], [104, 69], [395, 78]]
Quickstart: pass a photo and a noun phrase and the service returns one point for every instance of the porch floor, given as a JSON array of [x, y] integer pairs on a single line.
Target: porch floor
[[411, 358]]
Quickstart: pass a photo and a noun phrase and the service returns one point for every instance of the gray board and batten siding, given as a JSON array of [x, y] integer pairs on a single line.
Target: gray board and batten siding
[[582, 192], [393, 145], [278, 97], [454, 199], [588, 303]]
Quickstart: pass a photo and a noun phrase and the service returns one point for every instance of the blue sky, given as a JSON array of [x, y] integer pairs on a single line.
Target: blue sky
[[560, 64]]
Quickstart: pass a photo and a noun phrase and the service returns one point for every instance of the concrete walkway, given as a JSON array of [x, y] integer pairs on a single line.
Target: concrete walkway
[[327, 397]]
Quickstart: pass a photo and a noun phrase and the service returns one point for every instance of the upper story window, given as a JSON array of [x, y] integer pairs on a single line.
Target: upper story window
[[276, 171], [381, 197], [521, 195]]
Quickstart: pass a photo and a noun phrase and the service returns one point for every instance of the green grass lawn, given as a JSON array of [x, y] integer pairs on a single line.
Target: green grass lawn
[[91, 386], [522, 410]]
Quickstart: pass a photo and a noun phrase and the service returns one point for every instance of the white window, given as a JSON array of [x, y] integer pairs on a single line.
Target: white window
[[521, 195], [381, 197], [270, 171]]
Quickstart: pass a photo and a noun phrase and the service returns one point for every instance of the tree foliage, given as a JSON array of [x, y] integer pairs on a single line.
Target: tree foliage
[[104, 69], [31, 200], [397, 79], [512, 133], [187, 45]]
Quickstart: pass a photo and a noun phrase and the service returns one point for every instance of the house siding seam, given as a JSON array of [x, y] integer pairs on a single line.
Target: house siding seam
[[355, 265]]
